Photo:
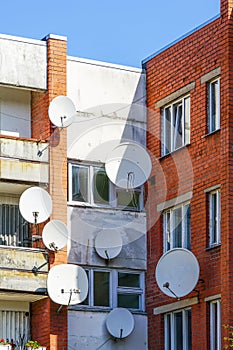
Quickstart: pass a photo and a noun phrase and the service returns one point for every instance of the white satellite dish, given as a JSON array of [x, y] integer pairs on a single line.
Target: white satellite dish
[[128, 165], [120, 323], [177, 272], [67, 284], [61, 111], [35, 205], [55, 235], [108, 244]]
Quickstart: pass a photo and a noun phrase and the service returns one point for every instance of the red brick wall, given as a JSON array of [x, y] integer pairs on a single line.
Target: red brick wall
[[48, 327], [207, 161]]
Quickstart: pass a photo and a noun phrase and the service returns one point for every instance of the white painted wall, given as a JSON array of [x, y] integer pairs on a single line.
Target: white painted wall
[[111, 104], [87, 331], [23, 62], [15, 112]]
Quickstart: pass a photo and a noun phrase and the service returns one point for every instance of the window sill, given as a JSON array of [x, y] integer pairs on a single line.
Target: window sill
[[213, 246], [102, 309], [211, 133], [175, 151], [89, 206]]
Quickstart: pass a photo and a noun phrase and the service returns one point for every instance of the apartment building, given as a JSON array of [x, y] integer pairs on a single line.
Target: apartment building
[[69, 163], [189, 102]]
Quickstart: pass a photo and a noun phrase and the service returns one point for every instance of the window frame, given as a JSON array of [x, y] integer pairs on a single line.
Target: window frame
[[168, 227], [214, 217], [213, 121], [114, 290], [169, 329], [185, 125], [215, 324], [113, 190]]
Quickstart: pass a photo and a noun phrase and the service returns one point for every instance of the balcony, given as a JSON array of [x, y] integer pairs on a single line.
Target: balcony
[[23, 160], [16, 269]]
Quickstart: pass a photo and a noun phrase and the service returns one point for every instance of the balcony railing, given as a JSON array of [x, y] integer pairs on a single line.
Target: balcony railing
[[14, 229]]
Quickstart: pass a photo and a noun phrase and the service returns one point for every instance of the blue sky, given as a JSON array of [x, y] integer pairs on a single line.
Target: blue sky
[[121, 31]]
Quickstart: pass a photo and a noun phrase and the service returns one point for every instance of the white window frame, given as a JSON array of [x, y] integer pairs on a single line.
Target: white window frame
[[113, 190], [214, 217], [169, 330], [114, 289], [215, 324], [213, 120], [169, 132], [169, 226]]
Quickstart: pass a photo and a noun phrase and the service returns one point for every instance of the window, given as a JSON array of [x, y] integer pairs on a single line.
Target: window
[[214, 217], [214, 105], [176, 227], [14, 229], [178, 330], [176, 125], [215, 325], [89, 185], [111, 288]]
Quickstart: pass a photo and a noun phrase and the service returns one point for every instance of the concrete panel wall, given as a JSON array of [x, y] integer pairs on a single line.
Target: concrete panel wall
[[84, 224], [23, 62], [110, 101], [87, 331]]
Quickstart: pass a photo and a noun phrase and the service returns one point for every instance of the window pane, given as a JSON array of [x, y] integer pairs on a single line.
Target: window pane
[[177, 124], [168, 332], [214, 106], [79, 184], [101, 288], [167, 232], [215, 326], [187, 119], [214, 217], [177, 227], [128, 300], [128, 280], [178, 331], [167, 130], [187, 226], [128, 199], [100, 186]]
